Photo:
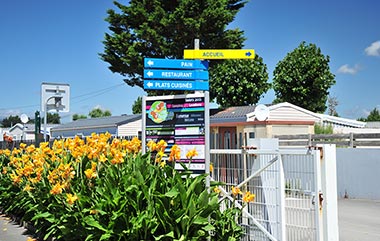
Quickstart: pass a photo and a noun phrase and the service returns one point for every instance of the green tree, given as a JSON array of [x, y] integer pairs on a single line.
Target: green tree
[[78, 116], [303, 78], [52, 118], [323, 129], [239, 82], [137, 106], [10, 121], [97, 112], [374, 115], [163, 29]]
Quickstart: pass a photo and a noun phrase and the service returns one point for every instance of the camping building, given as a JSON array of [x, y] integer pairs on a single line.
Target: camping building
[[120, 126]]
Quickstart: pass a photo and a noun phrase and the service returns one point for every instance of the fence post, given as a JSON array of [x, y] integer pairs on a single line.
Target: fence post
[[329, 189], [310, 143], [352, 140]]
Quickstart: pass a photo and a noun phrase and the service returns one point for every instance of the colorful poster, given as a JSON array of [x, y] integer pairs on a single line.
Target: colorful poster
[[178, 120]]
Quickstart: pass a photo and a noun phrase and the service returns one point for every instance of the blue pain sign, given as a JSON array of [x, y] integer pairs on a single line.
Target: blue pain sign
[[154, 63], [175, 85], [175, 74]]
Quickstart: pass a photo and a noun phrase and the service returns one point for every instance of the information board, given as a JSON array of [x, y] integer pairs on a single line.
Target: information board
[[180, 120]]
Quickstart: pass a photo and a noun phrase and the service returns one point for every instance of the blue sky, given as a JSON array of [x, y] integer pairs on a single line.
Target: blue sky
[[59, 41]]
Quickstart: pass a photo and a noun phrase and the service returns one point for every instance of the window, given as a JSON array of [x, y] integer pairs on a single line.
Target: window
[[251, 135]]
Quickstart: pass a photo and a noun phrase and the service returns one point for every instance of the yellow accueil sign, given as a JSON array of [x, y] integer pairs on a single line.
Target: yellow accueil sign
[[219, 54]]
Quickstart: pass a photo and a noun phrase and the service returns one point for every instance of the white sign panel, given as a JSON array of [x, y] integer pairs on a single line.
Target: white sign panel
[[55, 96]]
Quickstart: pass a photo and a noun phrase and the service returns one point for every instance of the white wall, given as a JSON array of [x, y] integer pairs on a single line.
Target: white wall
[[130, 129], [358, 173]]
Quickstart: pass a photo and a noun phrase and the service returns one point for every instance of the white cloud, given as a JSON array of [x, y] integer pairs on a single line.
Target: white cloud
[[373, 49], [345, 69]]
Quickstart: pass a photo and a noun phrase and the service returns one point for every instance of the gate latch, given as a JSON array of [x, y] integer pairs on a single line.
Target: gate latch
[[320, 200]]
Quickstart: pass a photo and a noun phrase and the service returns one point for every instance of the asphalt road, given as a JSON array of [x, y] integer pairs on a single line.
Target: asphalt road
[[359, 220]]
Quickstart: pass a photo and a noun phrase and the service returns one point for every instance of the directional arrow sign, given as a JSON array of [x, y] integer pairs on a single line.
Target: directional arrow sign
[[175, 74], [175, 85], [154, 63], [219, 54]]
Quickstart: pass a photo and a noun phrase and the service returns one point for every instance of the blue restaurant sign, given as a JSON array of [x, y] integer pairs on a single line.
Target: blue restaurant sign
[[153, 63], [175, 74]]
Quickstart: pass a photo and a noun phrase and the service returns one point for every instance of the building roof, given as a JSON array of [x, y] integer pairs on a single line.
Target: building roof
[[372, 124], [29, 127], [342, 121], [110, 121], [290, 112], [232, 114]]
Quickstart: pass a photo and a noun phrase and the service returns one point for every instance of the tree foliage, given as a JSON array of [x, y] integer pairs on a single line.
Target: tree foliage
[[303, 78], [163, 29], [10, 121], [137, 106], [79, 116], [97, 112], [52, 118], [239, 82], [374, 115]]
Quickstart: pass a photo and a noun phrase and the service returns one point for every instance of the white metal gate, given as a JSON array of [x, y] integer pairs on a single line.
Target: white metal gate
[[286, 184]]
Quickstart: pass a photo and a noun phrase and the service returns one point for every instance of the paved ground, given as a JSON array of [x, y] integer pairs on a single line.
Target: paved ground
[[10, 231], [359, 220]]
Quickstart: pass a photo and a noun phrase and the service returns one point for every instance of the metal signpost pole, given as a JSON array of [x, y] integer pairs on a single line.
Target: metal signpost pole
[[207, 127], [143, 122]]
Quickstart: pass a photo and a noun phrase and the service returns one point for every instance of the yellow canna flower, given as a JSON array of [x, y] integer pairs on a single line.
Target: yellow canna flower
[[162, 164], [102, 158], [217, 190], [7, 152], [152, 146], [211, 167], [159, 156], [118, 157], [93, 211], [70, 198], [175, 153], [192, 153], [22, 145], [15, 178], [248, 197], [235, 191], [90, 173], [93, 166], [27, 188], [57, 189], [31, 148], [161, 145], [31, 239]]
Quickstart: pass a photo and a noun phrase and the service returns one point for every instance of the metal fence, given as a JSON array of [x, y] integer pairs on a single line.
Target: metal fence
[[341, 140], [285, 183], [16, 144]]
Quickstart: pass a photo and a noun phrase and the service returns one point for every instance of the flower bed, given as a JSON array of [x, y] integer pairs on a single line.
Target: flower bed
[[100, 189]]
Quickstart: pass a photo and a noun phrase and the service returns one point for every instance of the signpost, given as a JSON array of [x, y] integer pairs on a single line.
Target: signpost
[[219, 54], [178, 119], [175, 85]]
